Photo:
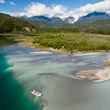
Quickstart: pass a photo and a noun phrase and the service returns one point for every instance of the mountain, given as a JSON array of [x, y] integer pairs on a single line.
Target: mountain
[[93, 17], [42, 19], [69, 20], [96, 22], [14, 24], [50, 21]]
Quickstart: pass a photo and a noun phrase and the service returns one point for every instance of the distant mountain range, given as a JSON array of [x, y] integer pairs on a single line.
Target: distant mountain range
[[52, 21], [96, 22], [92, 17], [93, 22], [55, 21]]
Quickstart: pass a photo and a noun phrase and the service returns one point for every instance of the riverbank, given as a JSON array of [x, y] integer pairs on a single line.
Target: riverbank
[[30, 42], [63, 42]]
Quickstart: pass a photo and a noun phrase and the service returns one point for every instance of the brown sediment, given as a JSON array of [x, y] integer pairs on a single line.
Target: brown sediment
[[97, 74], [107, 62]]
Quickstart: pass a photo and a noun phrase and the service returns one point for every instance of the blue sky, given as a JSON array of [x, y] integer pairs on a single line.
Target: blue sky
[[21, 4], [59, 8]]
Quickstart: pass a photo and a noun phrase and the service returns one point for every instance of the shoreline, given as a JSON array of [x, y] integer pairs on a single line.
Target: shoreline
[[59, 51], [62, 51], [27, 41]]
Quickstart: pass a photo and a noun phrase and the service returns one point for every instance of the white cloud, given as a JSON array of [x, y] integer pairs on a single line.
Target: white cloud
[[2, 1], [103, 6], [37, 9]]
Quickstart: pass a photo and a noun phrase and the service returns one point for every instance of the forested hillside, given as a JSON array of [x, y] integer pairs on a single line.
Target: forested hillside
[[13, 24]]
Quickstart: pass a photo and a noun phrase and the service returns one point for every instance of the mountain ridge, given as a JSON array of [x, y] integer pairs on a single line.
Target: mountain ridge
[[12, 24], [93, 17]]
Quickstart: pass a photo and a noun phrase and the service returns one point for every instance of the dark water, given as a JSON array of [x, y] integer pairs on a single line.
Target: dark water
[[12, 94], [50, 73]]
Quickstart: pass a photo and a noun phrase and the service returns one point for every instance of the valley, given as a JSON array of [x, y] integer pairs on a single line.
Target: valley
[[54, 55]]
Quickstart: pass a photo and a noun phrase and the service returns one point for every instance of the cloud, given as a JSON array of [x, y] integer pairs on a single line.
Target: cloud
[[37, 9], [103, 6], [2, 1]]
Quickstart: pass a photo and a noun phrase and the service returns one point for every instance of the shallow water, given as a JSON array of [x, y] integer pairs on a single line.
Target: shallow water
[[52, 74]]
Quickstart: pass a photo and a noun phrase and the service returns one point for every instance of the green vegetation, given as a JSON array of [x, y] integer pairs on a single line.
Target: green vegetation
[[98, 27], [73, 41], [77, 37], [6, 40], [69, 42], [13, 24], [9, 24]]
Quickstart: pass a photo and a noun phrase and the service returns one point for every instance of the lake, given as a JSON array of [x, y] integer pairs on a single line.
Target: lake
[[51, 73]]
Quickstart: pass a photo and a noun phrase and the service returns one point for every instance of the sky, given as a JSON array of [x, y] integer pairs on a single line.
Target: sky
[[57, 8]]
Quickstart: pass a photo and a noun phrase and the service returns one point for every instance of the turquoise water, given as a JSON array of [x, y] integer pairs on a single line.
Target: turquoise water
[[12, 93], [51, 74]]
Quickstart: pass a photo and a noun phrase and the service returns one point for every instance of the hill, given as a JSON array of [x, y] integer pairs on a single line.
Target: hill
[[14, 24], [96, 22], [91, 17]]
